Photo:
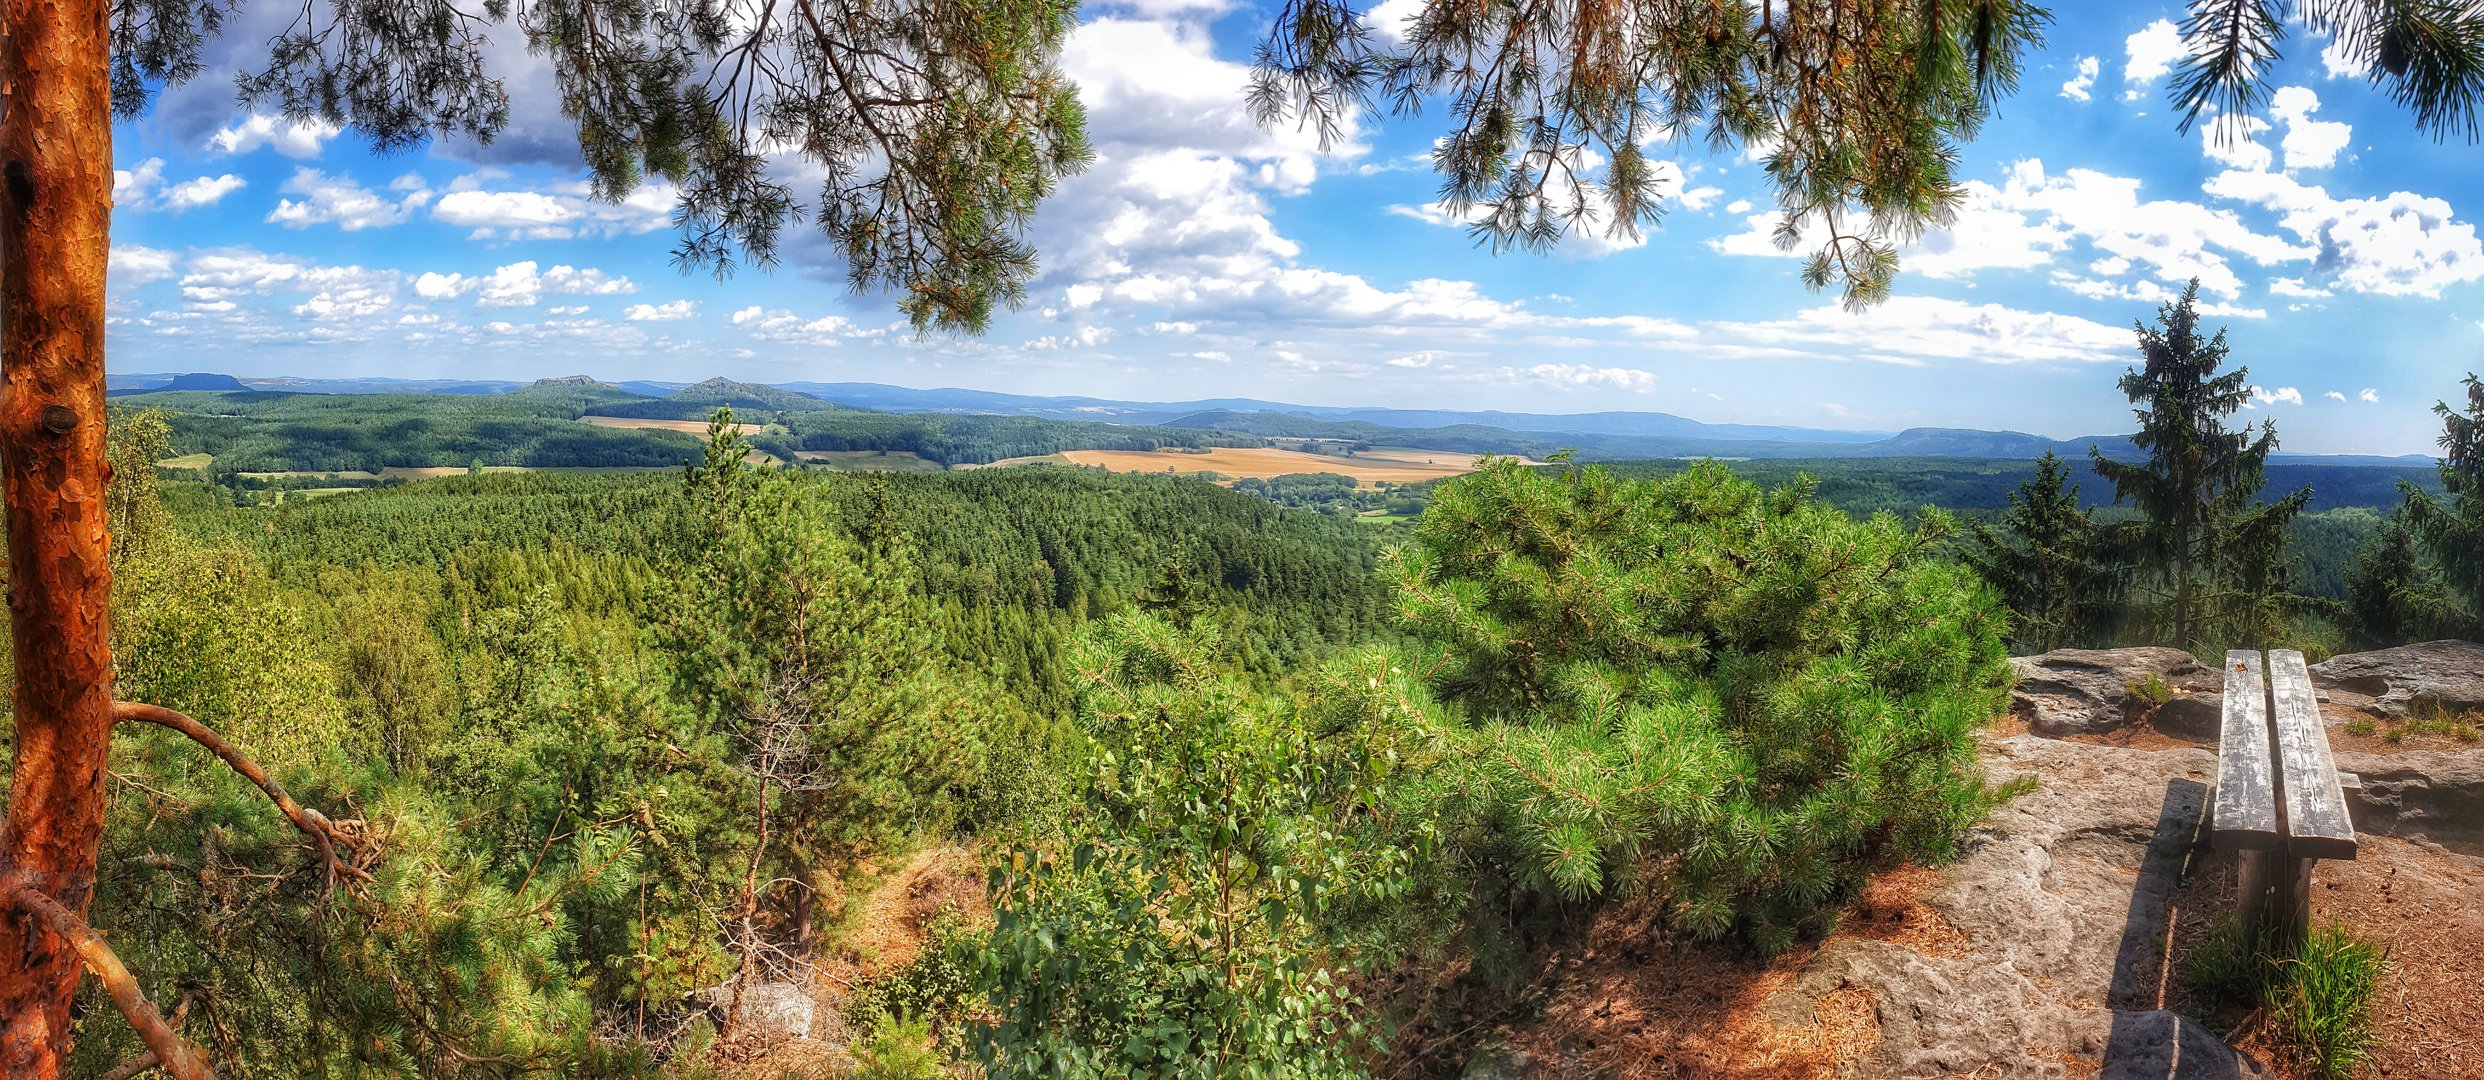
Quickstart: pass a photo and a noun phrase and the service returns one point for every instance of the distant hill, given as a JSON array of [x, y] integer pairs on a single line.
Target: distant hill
[[699, 401], [196, 380]]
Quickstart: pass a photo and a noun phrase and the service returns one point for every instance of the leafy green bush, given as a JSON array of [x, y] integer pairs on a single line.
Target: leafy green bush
[[1746, 699], [1210, 917]]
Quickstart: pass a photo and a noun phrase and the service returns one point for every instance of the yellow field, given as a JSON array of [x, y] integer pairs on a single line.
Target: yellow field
[[1373, 467], [186, 461], [692, 427]]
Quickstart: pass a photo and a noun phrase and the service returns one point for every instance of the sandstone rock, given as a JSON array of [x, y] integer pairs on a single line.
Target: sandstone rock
[[774, 1011], [2061, 898], [2431, 795], [2447, 673], [2087, 691]]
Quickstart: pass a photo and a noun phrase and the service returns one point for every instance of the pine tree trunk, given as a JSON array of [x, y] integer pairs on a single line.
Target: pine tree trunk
[[55, 221]]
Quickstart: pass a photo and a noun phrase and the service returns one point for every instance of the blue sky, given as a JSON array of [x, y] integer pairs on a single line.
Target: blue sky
[[1201, 256]]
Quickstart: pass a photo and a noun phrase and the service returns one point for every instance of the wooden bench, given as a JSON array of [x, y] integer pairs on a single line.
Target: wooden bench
[[2279, 800]]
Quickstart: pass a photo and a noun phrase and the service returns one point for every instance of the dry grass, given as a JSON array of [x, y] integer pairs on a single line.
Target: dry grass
[[886, 922]]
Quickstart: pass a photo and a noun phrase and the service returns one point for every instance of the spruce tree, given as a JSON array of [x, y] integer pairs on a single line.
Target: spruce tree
[[2211, 555], [2423, 575], [2052, 562]]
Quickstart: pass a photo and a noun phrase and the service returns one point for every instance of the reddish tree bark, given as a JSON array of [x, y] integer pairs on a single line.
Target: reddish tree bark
[[55, 221]]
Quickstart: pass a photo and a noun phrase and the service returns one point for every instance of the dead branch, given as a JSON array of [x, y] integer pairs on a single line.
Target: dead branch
[[147, 1060], [326, 835], [174, 1055]]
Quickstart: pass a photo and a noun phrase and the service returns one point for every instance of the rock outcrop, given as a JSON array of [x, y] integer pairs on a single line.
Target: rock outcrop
[[2062, 899], [2089, 691], [2447, 674], [2436, 796]]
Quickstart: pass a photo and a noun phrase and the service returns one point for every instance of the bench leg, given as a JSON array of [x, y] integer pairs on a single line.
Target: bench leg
[[2274, 892]]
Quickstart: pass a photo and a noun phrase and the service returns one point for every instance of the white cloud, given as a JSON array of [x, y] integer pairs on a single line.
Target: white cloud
[[1587, 377], [143, 189], [2077, 88], [521, 284], [2285, 394], [667, 312], [564, 213], [2368, 396], [786, 328], [204, 191], [1416, 361], [2229, 140], [2309, 143], [2151, 54], [2334, 395], [2295, 287], [285, 137], [1909, 330], [2402, 244], [133, 265], [340, 201], [348, 297]]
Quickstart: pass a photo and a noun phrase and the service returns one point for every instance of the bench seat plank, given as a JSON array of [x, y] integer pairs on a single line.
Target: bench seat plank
[[2317, 825], [2246, 800]]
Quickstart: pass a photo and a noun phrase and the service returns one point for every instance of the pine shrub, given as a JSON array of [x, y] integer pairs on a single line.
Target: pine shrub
[[1743, 698]]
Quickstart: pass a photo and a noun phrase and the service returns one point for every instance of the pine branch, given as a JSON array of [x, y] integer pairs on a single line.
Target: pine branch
[[325, 835], [176, 1056]]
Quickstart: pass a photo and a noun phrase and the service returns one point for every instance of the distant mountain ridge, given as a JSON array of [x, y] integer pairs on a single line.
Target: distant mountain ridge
[[1609, 435]]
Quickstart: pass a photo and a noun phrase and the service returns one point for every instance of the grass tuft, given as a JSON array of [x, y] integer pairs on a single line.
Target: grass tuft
[[2322, 1001]]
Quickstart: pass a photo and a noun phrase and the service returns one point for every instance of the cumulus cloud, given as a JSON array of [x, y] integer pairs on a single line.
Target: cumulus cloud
[[2284, 394], [565, 212], [2150, 54], [2335, 395], [778, 326], [1587, 377], [665, 312], [133, 265], [2309, 143], [2401, 244], [340, 201], [2077, 88], [521, 284], [2369, 396], [293, 140], [143, 189]]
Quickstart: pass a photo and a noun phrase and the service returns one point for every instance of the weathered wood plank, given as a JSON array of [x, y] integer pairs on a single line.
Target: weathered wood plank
[[2246, 804], [2317, 825]]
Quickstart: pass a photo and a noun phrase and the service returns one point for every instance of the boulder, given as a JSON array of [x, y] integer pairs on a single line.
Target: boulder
[[2088, 691], [2447, 674]]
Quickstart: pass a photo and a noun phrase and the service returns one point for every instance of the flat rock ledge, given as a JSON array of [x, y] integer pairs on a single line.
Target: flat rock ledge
[[2445, 675], [2090, 691], [2061, 901]]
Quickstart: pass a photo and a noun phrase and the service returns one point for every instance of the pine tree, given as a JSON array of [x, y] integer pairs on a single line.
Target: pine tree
[[2210, 554], [2052, 563]]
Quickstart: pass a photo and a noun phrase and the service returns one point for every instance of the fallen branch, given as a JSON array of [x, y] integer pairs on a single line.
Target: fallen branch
[[176, 1056], [324, 834]]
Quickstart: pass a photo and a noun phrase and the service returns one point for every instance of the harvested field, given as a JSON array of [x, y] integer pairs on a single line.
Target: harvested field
[[186, 461], [1401, 466], [688, 427]]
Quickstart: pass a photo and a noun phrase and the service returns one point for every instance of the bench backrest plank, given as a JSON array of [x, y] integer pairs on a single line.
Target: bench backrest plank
[[2246, 803], [2317, 825]]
